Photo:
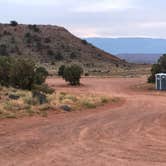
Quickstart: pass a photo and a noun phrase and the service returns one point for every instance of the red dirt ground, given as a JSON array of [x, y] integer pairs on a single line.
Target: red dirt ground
[[130, 134]]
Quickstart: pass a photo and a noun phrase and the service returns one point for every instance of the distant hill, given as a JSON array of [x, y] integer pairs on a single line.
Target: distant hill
[[140, 49], [46, 43]]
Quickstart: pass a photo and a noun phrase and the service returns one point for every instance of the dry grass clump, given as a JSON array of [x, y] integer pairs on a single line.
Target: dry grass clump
[[27, 105], [24, 105], [76, 102]]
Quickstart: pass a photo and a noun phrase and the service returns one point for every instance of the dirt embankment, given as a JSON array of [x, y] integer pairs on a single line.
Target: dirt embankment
[[132, 134]]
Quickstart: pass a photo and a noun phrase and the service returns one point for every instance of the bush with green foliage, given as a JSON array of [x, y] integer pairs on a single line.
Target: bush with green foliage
[[156, 68], [73, 55], [34, 28], [13, 23], [56, 56], [84, 42], [162, 63], [21, 73], [39, 93], [6, 33], [61, 70], [5, 68], [160, 67], [27, 35], [72, 74], [3, 50], [40, 75]]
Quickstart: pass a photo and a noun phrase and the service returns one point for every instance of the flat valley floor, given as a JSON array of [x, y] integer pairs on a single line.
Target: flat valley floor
[[129, 133]]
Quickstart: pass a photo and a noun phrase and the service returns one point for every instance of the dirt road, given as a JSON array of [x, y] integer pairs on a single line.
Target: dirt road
[[132, 134]]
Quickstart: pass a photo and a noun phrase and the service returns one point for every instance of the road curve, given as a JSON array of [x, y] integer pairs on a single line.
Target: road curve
[[133, 134]]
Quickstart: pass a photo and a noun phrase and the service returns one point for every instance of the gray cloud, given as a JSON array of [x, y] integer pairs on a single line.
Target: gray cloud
[[106, 18]]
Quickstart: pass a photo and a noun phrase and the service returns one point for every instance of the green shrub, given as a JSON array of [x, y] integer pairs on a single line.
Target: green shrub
[[58, 56], [158, 68], [34, 28], [40, 75], [13, 23], [84, 42], [3, 50], [73, 55], [39, 92], [162, 63], [5, 68], [21, 73], [27, 35], [61, 70], [55, 55], [72, 74], [6, 33]]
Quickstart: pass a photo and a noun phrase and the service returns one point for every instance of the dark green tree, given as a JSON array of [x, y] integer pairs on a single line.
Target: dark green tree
[[160, 67], [72, 74], [61, 70], [34, 28], [156, 68], [21, 73], [40, 75], [84, 42], [162, 63], [5, 68], [58, 56], [13, 23], [73, 55], [3, 50]]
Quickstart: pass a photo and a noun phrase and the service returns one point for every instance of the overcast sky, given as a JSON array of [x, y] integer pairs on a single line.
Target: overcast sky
[[92, 18]]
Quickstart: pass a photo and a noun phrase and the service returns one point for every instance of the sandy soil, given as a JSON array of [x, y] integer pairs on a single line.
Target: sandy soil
[[129, 134]]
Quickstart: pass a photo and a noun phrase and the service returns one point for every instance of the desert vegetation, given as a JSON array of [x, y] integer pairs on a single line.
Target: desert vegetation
[[159, 67], [22, 86], [71, 74], [13, 23], [21, 73], [16, 103], [24, 92]]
